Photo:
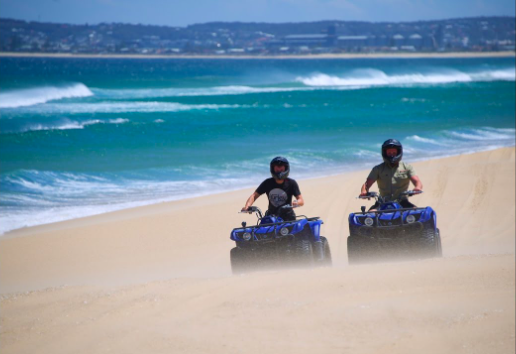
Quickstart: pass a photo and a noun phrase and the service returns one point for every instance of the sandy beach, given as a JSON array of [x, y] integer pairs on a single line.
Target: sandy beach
[[407, 55], [157, 279]]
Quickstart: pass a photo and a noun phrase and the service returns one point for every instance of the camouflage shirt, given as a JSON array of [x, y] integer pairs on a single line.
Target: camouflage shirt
[[392, 180]]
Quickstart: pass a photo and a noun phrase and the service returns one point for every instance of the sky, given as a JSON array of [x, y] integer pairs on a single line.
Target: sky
[[187, 12]]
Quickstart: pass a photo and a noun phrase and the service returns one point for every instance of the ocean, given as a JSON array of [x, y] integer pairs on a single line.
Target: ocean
[[80, 137]]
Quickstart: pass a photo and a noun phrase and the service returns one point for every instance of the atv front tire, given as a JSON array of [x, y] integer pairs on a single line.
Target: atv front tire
[[431, 244], [354, 250], [327, 262], [240, 260], [303, 253], [361, 250], [439, 247]]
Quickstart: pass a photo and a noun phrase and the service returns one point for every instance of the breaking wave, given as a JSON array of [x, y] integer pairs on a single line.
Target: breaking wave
[[42, 197], [360, 78], [188, 92], [461, 141], [71, 124], [375, 77], [124, 107], [356, 79], [38, 95]]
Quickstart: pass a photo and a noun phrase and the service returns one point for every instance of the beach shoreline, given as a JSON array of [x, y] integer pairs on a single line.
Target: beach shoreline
[[195, 200], [408, 55], [158, 279], [28, 229]]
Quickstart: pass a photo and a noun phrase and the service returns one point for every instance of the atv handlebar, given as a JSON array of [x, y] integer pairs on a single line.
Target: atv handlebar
[[411, 193], [255, 209], [252, 209], [370, 195]]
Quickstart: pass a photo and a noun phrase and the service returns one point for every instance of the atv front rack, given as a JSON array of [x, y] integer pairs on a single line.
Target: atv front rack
[[387, 211], [402, 218]]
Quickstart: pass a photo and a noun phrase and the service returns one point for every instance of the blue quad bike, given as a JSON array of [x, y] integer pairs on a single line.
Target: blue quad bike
[[275, 243], [393, 232]]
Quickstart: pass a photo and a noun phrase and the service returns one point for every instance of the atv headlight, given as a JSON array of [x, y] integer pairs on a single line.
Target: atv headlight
[[283, 231], [410, 219], [369, 221], [246, 236]]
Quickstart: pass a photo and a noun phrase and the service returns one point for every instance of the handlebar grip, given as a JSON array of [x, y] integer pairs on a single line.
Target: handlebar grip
[[411, 192], [368, 195]]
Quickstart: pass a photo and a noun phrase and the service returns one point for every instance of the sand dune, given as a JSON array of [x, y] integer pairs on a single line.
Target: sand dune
[[157, 279]]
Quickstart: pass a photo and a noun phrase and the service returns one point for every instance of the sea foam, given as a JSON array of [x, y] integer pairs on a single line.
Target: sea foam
[[38, 95], [67, 124], [124, 107], [189, 92], [37, 198], [483, 135], [356, 79], [375, 77], [417, 138]]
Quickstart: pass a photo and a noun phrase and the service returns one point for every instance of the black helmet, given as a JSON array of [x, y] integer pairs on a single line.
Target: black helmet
[[280, 161], [392, 143]]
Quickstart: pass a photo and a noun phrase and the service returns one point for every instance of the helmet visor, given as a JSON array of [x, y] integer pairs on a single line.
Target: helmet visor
[[391, 151]]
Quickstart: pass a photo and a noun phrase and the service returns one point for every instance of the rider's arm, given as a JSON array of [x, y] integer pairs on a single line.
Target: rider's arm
[[299, 202], [250, 201], [418, 186], [365, 187]]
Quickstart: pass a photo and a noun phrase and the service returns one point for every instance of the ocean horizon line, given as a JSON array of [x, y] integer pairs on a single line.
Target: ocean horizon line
[[376, 55]]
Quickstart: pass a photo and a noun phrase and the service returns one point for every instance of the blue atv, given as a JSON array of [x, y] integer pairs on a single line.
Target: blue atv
[[393, 232], [274, 242]]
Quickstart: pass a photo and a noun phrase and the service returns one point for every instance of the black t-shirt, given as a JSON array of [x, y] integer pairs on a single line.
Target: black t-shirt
[[278, 194]]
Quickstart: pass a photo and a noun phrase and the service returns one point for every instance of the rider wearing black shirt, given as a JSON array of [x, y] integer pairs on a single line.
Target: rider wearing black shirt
[[279, 189]]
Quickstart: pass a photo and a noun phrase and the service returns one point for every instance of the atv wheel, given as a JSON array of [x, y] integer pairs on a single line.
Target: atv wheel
[[354, 250], [326, 251], [439, 251], [303, 252], [362, 250], [240, 260], [431, 244]]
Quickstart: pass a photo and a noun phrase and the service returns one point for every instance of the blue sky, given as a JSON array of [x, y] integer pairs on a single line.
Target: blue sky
[[185, 12]]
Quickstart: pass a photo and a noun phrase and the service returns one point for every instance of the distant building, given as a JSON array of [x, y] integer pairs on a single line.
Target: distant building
[[332, 35], [470, 34], [297, 40], [379, 41], [352, 42], [398, 40], [416, 41], [407, 48], [236, 51]]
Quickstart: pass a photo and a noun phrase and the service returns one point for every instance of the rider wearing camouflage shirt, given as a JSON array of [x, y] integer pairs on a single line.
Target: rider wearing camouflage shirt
[[393, 176]]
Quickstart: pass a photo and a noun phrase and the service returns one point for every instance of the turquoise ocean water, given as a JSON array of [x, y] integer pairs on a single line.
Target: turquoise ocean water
[[85, 136]]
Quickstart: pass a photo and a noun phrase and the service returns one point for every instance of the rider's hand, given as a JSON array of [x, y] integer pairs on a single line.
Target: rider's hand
[[295, 204], [244, 209], [364, 194], [417, 190]]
